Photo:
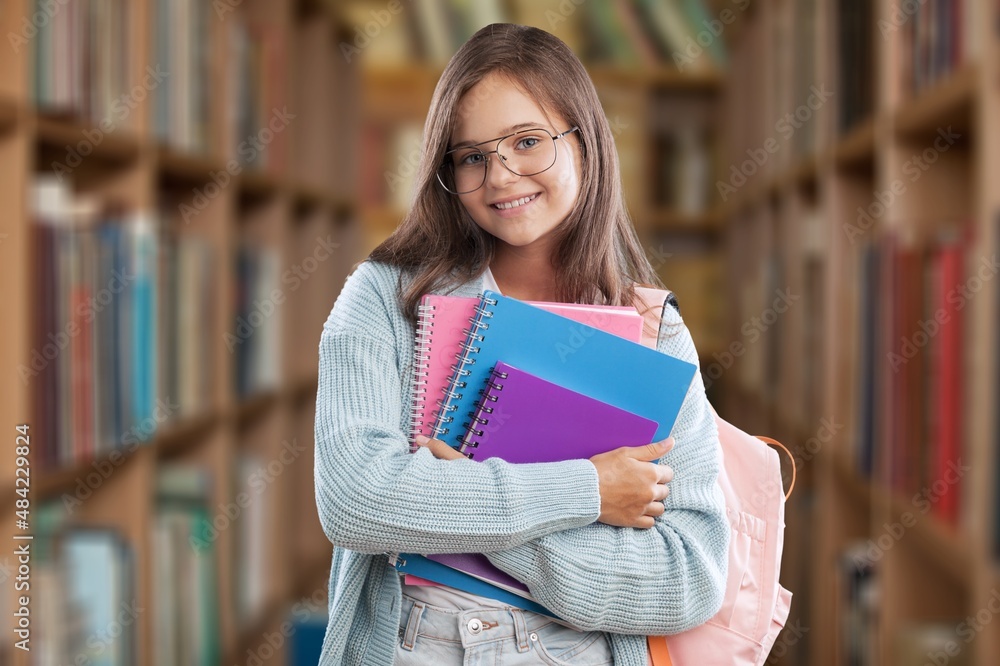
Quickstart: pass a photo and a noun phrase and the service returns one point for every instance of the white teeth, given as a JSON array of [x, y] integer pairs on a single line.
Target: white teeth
[[514, 204]]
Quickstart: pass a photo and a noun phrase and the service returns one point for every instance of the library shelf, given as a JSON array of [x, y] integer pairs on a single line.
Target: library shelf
[[303, 385], [170, 439], [941, 544], [804, 174], [859, 488], [660, 78], [950, 101], [257, 184], [8, 113], [306, 197], [857, 147], [256, 406], [176, 438], [183, 166], [118, 146], [131, 166], [665, 219]]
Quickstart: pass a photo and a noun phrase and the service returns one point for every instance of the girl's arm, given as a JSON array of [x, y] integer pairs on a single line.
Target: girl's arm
[[373, 496], [662, 580]]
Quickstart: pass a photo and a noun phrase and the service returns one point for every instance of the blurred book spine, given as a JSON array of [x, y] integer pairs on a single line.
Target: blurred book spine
[[805, 71], [255, 57], [855, 63], [181, 45], [186, 306], [256, 340], [253, 563], [86, 608], [185, 580], [858, 607]]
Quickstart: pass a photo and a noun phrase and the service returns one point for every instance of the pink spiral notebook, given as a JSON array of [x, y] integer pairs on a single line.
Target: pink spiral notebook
[[442, 324]]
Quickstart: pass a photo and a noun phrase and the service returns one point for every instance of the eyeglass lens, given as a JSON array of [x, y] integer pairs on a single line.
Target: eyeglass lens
[[526, 153]]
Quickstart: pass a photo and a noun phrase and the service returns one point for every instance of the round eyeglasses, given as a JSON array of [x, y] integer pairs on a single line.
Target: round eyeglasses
[[525, 153]]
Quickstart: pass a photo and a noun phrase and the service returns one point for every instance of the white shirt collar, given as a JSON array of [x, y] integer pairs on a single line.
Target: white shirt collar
[[489, 282]]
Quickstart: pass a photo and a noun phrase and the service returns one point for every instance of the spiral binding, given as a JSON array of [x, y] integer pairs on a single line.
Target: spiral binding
[[421, 356], [468, 350], [478, 417]]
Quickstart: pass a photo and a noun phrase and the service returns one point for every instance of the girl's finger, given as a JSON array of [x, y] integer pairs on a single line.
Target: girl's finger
[[438, 448]]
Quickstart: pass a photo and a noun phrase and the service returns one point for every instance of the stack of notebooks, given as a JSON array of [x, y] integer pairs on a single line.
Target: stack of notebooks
[[530, 383]]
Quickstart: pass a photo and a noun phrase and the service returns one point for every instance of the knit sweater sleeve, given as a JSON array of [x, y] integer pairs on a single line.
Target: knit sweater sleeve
[[662, 580], [374, 496]]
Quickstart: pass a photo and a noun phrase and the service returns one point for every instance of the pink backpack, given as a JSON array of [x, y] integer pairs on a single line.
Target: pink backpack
[[755, 606]]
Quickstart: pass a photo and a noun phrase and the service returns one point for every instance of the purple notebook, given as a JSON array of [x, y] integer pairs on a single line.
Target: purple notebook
[[525, 419], [522, 418]]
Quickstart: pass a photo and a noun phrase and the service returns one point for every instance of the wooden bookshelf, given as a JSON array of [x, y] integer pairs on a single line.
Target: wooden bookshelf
[[302, 199], [937, 571]]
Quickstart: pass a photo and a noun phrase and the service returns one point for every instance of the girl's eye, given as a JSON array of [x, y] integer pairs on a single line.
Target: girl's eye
[[527, 143], [471, 159]]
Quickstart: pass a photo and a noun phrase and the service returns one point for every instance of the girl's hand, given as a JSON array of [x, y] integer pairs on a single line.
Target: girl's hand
[[633, 488], [439, 448]]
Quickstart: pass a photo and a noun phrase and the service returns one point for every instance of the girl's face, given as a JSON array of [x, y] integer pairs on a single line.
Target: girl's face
[[494, 108]]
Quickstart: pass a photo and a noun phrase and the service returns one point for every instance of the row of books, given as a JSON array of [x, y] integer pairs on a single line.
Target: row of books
[[859, 609], [183, 33], [256, 74], [256, 340], [111, 295], [939, 37], [911, 379], [81, 56], [626, 34], [538, 382]]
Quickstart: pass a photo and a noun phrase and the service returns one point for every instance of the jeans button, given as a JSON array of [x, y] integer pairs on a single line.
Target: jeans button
[[475, 625]]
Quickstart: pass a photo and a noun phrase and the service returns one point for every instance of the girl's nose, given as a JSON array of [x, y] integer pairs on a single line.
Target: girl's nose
[[497, 173]]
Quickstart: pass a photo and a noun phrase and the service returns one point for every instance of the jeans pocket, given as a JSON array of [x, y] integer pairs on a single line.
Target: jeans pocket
[[561, 646]]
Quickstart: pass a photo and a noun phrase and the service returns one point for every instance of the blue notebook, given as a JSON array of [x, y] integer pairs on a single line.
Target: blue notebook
[[418, 565], [581, 358]]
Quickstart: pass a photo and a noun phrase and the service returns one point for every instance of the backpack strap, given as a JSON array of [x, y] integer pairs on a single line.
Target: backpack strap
[[650, 306]]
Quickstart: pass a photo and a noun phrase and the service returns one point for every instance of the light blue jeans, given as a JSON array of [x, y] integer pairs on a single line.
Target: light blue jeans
[[431, 636]]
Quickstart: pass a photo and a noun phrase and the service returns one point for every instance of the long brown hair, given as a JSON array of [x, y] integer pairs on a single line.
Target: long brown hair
[[598, 255]]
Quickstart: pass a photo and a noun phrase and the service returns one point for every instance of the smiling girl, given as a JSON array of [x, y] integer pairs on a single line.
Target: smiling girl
[[519, 191]]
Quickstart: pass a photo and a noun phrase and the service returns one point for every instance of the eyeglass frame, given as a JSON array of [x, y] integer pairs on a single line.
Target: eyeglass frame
[[486, 154]]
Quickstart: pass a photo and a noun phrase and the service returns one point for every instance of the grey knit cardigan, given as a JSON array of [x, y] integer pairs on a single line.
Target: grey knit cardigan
[[536, 522]]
